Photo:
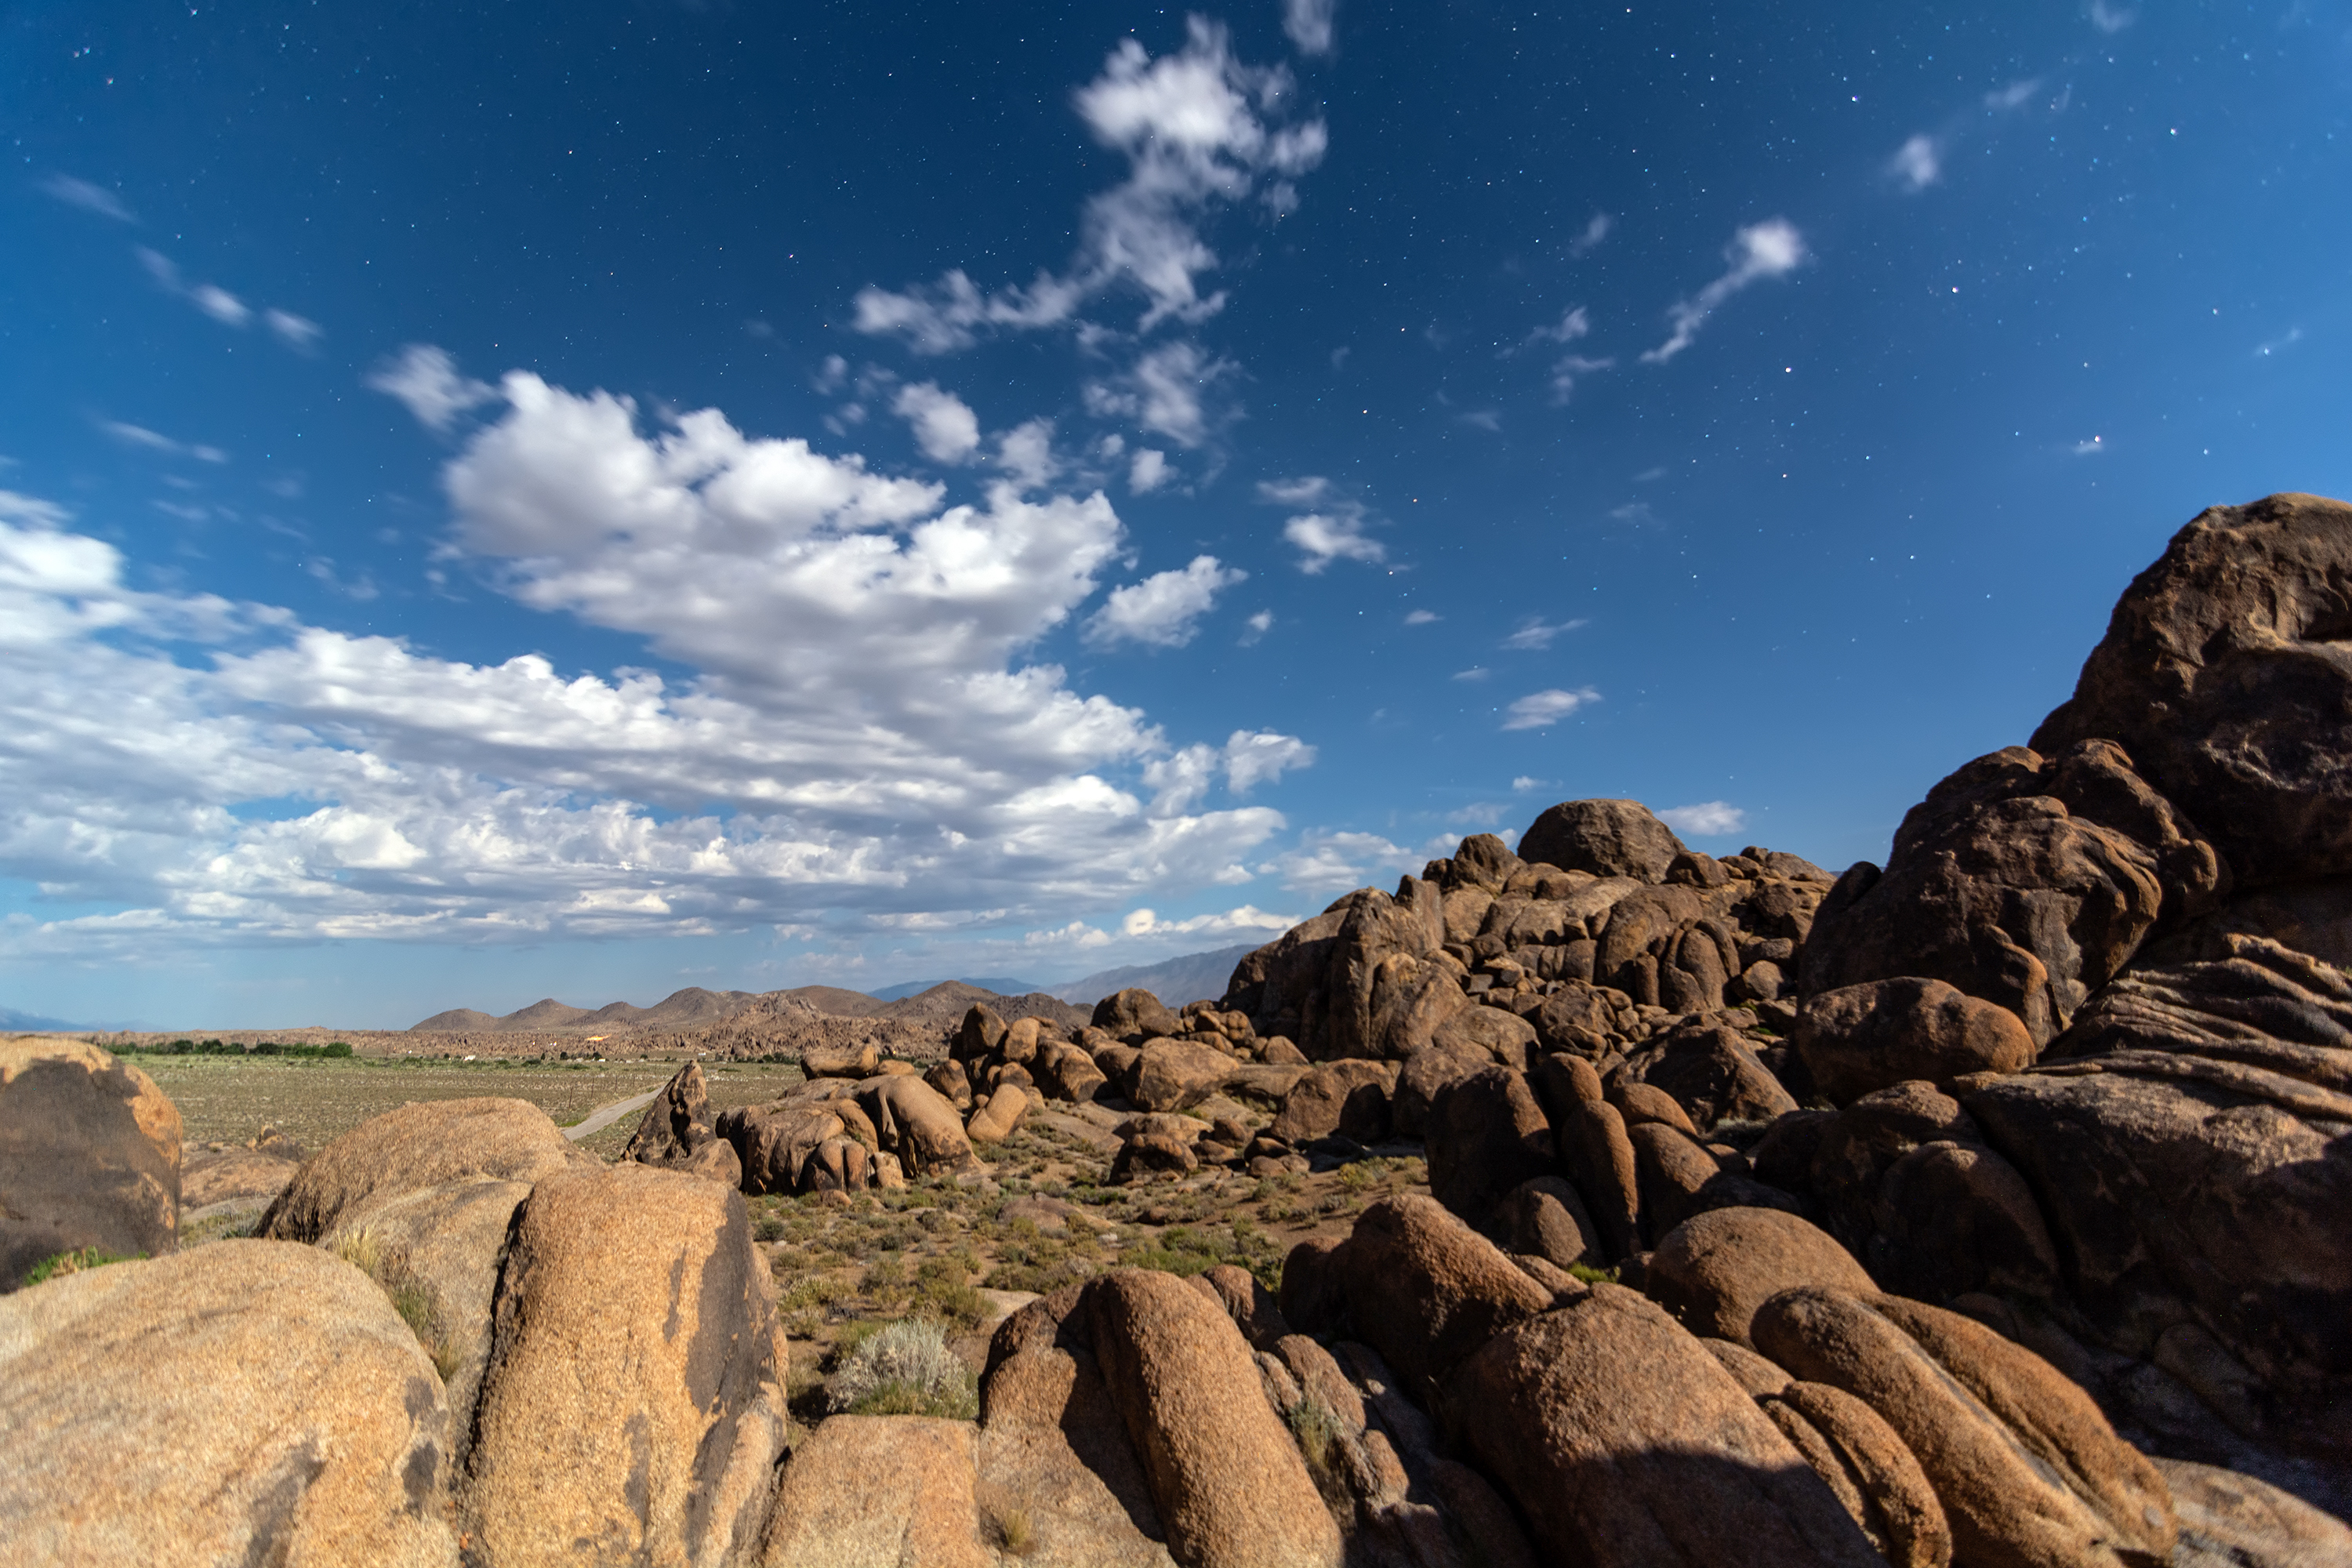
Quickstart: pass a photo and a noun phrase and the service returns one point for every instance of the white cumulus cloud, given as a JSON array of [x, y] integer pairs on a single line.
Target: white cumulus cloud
[[1165, 608], [1147, 470], [1323, 538], [1709, 819], [944, 426]]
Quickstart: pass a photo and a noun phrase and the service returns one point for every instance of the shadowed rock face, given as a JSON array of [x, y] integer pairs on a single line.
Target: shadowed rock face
[[1606, 837], [89, 1156], [2226, 673]]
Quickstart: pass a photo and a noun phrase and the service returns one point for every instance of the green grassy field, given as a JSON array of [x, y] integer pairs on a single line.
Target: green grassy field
[[228, 1099]]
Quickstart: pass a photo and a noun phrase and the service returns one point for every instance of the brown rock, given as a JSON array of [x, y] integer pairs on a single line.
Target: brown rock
[[1751, 1371], [1613, 1430], [953, 1084], [1171, 1076], [2218, 674], [1546, 1217], [1606, 837], [879, 1492], [1639, 1102], [1876, 1479], [1064, 1072], [677, 1123], [995, 1117], [1576, 1018], [1680, 1177], [982, 1034], [232, 1176], [247, 1401], [841, 1061], [1713, 1271], [1231, 1487], [775, 1142], [2027, 1469], [89, 1156], [1349, 1097], [631, 1407], [1598, 1156], [429, 1144], [436, 1250], [1860, 1039], [1134, 1016], [917, 1123], [1485, 1135], [1426, 1074], [1954, 1217], [1713, 1074], [1414, 1283], [2006, 884], [2230, 1521], [1249, 1304], [1500, 1036]]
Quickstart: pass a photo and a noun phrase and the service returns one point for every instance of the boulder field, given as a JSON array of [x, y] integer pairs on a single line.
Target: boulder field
[[1988, 1207]]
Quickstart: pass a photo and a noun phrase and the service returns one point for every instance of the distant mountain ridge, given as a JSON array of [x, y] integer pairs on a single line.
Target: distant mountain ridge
[[1175, 981], [1194, 977]]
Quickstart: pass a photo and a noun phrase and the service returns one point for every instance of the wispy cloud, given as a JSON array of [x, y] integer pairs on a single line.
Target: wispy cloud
[[1575, 323], [1773, 248], [2111, 19], [1707, 819], [1256, 626], [88, 197], [2002, 100], [1917, 164], [1308, 24], [1163, 392], [1421, 617], [1593, 233], [296, 332], [1147, 470], [1540, 709], [155, 441], [1323, 539], [1198, 128], [425, 378], [2090, 448], [1535, 633], [1476, 672]]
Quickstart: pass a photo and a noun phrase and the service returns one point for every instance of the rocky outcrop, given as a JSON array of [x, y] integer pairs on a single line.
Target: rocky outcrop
[[2024, 881], [1860, 1039], [1606, 837], [677, 1125], [2222, 674], [247, 1401], [879, 1492], [1713, 1272], [89, 1156]]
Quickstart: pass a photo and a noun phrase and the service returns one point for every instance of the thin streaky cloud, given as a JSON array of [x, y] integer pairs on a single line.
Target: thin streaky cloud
[[88, 197], [1773, 248], [1540, 709]]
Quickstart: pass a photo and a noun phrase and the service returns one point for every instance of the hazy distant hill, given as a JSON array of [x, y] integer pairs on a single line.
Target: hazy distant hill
[[33, 1023], [677, 1010], [952, 999], [1195, 977], [997, 984]]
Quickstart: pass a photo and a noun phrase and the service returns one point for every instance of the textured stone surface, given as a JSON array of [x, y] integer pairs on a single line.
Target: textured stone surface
[[1417, 1285], [1860, 1039], [419, 1146], [630, 1408], [89, 1156], [246, 1401], [879, 1492], [1625, 1442], [1606, 837], [1714, 1271], [2222, 673], [1230, 1485]]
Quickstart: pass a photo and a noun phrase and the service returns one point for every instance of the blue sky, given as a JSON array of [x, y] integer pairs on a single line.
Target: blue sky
[[500, 502]]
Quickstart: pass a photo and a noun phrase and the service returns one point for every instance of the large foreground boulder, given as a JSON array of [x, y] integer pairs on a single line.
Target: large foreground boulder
[[631, 1409], [2028, 1470], [246, 1401], [89, 1156], [422, 1145], [2222, 673], [1231, 1489], [879, 1492], [1713, 1271], [1613, 1430]]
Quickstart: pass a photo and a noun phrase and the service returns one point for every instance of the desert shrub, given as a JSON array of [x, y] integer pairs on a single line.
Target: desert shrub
[[388, 1267], [80, 1260], [1016, 1532], [943, 1289], [906, 1369], [1591, 1276]]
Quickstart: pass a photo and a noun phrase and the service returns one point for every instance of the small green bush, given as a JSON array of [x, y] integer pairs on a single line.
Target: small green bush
[[906, 1369], [1591, 1276], [80, 1260]]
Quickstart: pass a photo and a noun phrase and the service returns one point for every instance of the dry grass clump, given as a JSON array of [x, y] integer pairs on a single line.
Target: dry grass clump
[[906, 1369], [387, 1265]]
